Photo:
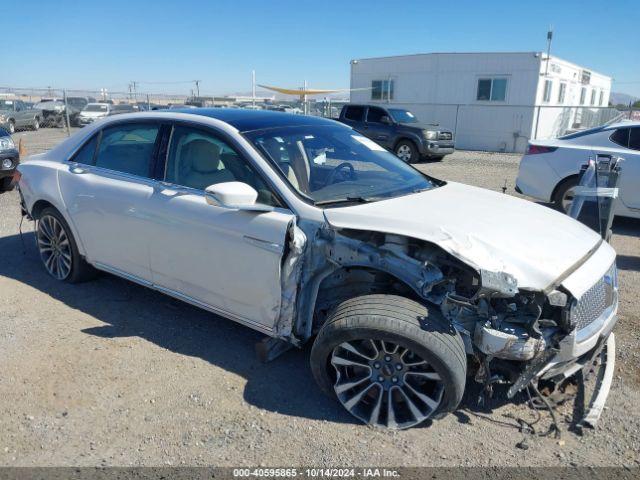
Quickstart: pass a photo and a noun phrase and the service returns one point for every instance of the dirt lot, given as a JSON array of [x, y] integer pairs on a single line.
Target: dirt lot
[[110, 373]]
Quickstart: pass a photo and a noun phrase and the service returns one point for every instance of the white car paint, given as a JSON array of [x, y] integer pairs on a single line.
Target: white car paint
[[541, 173], [265, 266], [485, 229], [229, 261]]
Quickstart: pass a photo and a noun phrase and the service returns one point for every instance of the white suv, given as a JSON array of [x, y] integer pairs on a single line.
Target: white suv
[[299, 227]]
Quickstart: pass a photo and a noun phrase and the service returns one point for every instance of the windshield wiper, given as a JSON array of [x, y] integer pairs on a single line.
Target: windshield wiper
[[336, 201]]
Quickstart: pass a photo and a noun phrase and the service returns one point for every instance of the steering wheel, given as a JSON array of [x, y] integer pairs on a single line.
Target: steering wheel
[[344, 176]]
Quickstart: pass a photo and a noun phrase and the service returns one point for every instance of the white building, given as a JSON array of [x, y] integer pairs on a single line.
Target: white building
[[492, 101]]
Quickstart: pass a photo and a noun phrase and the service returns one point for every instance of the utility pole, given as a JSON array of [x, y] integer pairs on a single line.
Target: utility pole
[[135, 90], [546, 72], [253, 88], [197, 82]]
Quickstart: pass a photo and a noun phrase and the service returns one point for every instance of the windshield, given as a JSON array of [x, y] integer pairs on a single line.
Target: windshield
[[95, 107], [6, 104], [402, 116], [333, 164], [76, 102]]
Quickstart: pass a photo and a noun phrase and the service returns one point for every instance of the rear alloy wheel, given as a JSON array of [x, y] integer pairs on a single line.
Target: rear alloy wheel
[[12, 127], [36, 124], [407, 151], [390, 361], [565, 195], [54, 246], [58, 249]]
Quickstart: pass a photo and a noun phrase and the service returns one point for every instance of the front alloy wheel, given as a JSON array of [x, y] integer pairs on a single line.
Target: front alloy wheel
[[390, 361], [54, 247], [385, 384]]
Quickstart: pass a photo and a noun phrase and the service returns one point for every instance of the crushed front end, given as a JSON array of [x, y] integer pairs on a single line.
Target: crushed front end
[[524, 338]]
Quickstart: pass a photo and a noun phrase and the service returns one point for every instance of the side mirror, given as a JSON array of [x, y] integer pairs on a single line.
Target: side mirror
[[386, 120], [234, 195]]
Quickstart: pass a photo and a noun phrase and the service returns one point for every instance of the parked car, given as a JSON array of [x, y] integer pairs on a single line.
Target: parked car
[[15, 115], [54, 111], [549, 169], [9, 159], [300, 227], [121, 108], [399, 130], [93, 112]]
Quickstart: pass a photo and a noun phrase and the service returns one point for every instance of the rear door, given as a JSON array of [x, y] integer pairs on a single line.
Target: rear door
[[354, 116], [376, 130], [226, 260], [629, 184], [107, 188]]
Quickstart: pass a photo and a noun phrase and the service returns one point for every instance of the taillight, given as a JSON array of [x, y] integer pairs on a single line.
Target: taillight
[[534, 149]]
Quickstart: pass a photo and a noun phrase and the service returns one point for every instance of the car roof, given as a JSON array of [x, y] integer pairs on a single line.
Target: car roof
[[248, 120], [621, 124]]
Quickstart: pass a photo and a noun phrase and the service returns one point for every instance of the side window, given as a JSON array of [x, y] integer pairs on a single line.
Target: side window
[[375, 114], [354, 113], [621, 137], [86, 154], [128, 148], [634, 138], [198, 159]]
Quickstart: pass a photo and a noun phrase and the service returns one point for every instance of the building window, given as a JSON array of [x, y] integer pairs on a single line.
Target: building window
[[593, 97], [583, 95], [492, 89], [601, 97], [561, 92], [382, 90], [546, 97]]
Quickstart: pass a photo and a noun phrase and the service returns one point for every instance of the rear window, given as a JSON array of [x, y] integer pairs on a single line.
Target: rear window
[[354, 113], [634, 138], [621, 137], [127, 148], [582, 133]]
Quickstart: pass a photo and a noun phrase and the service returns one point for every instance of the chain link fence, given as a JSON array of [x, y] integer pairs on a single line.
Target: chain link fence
[[502, 128]]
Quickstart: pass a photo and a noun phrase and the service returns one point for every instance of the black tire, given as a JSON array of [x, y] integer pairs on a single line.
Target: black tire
[[397, 320], [407, 151], [12, 126], [562, 193], [81, 271]]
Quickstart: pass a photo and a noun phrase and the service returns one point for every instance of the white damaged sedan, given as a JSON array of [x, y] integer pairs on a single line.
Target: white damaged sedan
[[299, 227]]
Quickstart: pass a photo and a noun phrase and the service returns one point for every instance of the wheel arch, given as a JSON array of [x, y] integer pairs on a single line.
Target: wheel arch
[[561, 183], [36, 211], [349, 280], [406, 138]]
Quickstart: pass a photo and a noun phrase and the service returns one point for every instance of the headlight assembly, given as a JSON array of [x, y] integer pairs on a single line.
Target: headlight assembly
[[6, 143], [430, 135]]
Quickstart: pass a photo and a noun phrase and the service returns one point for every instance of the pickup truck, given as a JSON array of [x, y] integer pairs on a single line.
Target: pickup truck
[[398, 130]]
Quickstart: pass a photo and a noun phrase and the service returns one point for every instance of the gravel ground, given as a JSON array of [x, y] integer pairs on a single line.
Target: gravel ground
[[111, 373]]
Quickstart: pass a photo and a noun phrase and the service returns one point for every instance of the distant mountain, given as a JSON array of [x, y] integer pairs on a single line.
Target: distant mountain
[[621, 98]]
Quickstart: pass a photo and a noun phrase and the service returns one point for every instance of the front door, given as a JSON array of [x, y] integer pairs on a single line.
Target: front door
[[107, 189], [224, 259], [376, 130]]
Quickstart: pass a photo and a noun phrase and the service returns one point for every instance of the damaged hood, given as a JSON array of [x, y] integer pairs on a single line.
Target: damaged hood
[[485, 229]]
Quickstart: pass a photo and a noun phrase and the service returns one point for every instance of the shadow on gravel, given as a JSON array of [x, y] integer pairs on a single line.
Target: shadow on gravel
[[284, 385], [629, 227]]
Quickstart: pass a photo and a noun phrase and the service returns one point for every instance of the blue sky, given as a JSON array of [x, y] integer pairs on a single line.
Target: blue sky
[[107, 44]]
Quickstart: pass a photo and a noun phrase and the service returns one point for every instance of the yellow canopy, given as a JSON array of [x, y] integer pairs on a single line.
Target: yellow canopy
[[292, 91]]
